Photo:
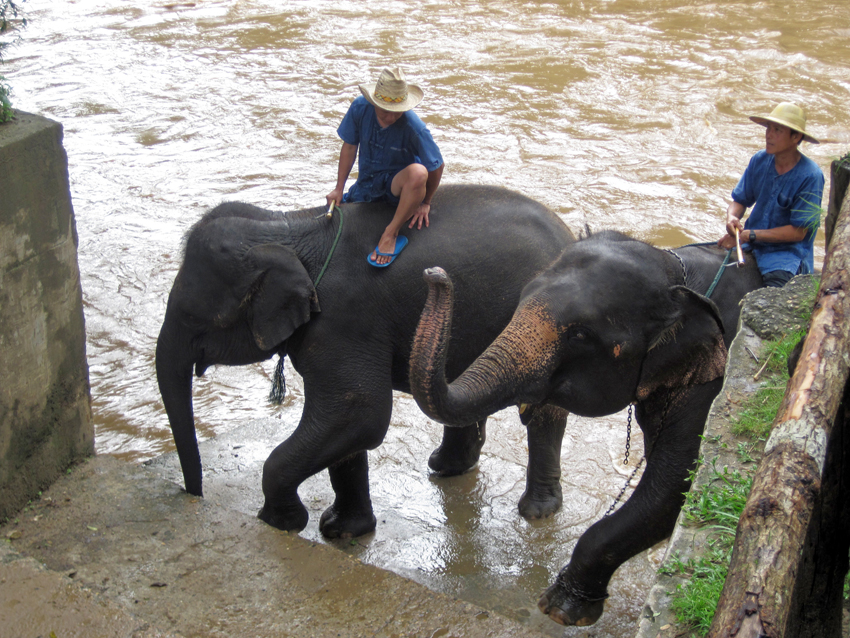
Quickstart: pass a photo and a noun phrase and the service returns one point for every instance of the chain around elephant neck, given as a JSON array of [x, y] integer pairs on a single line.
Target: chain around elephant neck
[[333, 248], [684, 272]]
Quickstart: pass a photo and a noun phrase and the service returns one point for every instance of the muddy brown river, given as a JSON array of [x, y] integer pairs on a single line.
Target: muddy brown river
[[626, 114]]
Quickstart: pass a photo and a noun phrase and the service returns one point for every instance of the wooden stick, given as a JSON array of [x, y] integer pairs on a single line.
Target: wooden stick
[[738, 244]]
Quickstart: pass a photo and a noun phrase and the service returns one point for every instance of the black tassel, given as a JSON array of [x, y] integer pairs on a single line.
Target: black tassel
[[278, 391]]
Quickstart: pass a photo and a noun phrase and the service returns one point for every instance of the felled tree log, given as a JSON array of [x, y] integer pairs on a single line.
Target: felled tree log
[[839, 179], [770, 546]]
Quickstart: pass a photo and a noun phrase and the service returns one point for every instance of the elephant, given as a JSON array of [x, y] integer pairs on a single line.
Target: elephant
[[254, 283], [612, 322]]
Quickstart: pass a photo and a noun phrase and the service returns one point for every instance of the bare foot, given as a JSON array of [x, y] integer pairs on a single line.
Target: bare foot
[[385, 245]]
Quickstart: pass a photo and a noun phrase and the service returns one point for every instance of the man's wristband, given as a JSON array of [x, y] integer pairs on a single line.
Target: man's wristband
[[752, 238]]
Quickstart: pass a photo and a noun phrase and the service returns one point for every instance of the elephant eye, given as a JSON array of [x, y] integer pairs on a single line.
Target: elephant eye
[[579, 334]]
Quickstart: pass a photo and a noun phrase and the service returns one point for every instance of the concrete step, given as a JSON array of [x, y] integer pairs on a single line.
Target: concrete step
[[113, 550]]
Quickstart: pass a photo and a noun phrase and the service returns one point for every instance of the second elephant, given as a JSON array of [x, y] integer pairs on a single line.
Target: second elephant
[[612, 322]]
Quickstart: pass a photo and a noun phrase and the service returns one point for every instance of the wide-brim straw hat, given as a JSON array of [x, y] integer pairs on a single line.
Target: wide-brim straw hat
[[787, 114], [392, 92]]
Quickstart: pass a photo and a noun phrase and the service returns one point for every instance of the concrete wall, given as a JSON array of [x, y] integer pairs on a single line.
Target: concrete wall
[[45, 406]]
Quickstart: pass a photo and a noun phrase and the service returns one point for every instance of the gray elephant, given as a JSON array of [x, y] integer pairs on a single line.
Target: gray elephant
[[256, 283], [612, 322]]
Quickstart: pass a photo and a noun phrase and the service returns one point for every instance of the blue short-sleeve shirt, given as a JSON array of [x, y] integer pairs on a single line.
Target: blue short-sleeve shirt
[[383, 152], [781, 200]]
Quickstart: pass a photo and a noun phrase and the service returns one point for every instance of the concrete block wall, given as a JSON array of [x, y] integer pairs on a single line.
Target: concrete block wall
[[45, 405]]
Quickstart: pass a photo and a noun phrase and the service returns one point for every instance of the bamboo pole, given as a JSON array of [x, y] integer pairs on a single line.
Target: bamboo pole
[[769, 546]]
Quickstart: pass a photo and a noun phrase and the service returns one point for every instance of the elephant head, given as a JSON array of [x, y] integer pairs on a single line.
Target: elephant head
[[607, 324], [237, 298]]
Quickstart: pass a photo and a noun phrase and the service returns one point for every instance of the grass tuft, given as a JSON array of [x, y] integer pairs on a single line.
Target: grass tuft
[[718, 505]]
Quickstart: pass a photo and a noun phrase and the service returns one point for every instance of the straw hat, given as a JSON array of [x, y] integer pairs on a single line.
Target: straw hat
[[789, 115], [392, 92]]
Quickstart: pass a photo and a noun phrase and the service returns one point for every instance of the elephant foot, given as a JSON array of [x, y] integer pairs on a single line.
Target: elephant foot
[[335, 524], [290, 519], [459, 451], [569, 610], [541, 501]]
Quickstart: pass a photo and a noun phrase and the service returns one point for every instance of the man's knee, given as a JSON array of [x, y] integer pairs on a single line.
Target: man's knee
[[416, 177], [413, 177], [777, 278]]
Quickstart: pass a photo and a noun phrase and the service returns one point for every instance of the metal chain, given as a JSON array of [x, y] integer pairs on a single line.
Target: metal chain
[[667, 405], [625, 487], [684, 272]]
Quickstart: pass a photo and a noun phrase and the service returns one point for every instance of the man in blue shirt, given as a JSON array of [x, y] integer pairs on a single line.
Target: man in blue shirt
[[784, 187], [399, 161]]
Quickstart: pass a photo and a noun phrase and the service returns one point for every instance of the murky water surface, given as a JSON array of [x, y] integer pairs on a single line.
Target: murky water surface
[[627, 114]]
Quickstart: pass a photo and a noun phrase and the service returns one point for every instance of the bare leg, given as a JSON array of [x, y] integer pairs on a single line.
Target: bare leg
[[409, 186]]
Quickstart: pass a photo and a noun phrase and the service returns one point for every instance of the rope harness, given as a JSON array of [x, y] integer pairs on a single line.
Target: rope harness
[[708, 293], [333, 248], [278, 390]]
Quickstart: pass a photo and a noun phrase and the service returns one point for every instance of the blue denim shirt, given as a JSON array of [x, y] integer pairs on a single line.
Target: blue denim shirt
[[384, 152], [793, 198]]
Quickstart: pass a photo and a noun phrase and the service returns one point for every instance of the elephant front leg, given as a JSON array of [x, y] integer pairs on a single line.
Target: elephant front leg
[[545, 425], [460, 449], [351, 513], [672, 422]]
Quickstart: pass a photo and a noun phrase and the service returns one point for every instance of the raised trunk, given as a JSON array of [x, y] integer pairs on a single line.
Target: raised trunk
[[174, 376], [515, 368]]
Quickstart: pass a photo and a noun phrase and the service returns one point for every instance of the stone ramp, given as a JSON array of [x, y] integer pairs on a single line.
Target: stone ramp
[[112, 550]]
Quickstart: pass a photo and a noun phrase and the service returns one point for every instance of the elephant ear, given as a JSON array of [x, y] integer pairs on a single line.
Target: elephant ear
[[689, 349], [284, 297]]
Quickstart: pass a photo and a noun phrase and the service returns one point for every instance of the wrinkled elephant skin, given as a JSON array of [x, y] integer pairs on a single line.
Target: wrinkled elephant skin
[[246, 291], [612, 322]]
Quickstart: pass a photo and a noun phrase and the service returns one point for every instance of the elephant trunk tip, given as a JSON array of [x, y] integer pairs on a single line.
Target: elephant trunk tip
[[436, 275]]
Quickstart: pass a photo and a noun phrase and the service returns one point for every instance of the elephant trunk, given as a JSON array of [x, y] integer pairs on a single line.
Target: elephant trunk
[[514, 369], [174, 376]]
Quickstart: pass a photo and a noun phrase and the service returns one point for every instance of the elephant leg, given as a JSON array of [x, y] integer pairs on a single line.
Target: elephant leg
[[545, 425], [672, 424], [336, 429], [351, 513], [459, 451]]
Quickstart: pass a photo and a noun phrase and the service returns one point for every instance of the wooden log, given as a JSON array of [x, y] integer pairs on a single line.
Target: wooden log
[[839, 179], [772, 532]]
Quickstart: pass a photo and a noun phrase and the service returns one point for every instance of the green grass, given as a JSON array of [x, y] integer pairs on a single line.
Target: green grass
[[758, 412], [717, 505]]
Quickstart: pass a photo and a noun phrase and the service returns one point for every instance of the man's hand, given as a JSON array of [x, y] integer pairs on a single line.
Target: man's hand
[[421, 215], [731, 224], [728, 240], [334, 196]]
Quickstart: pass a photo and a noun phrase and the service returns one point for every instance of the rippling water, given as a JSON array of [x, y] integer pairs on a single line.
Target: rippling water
[[627, 114], [617, 114]]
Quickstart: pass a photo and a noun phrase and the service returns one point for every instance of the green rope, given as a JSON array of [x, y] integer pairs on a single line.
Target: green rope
[[278, 391], [333, 247], [719, 274]]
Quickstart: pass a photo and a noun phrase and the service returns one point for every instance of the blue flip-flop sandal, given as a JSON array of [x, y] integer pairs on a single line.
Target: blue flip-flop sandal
[[400, 243]]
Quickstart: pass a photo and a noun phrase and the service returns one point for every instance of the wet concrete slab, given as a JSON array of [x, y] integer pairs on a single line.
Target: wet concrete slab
[[114, 550], [460, 536]]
